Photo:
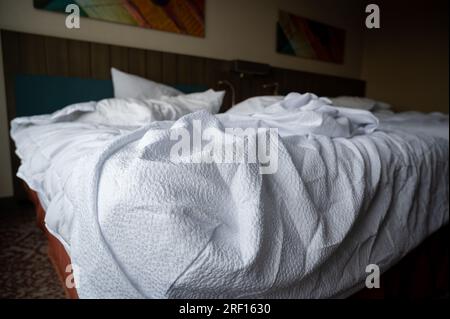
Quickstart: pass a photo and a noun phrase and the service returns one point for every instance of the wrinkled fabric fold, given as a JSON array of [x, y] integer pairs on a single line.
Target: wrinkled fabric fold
[[348, 192]]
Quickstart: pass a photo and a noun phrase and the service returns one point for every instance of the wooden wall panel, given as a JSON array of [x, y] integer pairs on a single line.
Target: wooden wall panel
[[154, 65], [183, 69], [137, 62], [169, 68], [215, 71], [119, 58], [100, 61], [191, 70], [79, 59], [197, 71], [32, 54], [57, 55]]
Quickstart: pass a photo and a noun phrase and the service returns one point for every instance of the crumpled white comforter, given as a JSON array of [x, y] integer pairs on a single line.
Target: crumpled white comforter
[[345, 195]]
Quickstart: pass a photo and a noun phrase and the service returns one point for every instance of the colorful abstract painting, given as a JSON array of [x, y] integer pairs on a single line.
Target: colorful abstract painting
[[309, 39], [178, 16]]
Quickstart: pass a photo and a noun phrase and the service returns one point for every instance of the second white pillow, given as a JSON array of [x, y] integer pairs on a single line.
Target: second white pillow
[[132, 86], [209, 100]]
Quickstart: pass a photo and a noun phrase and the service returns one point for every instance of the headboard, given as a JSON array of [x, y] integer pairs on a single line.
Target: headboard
[[44, 94], [27, 54]]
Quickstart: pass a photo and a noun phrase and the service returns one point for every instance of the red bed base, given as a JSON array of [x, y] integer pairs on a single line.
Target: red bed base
[[56, 251], [423, 273]]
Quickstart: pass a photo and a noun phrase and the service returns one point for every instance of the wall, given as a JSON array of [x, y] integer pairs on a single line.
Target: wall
[[243, 29], [6, 186], [406, 61]]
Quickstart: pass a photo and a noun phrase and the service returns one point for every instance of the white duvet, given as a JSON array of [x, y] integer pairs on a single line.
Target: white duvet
[[351, 190]]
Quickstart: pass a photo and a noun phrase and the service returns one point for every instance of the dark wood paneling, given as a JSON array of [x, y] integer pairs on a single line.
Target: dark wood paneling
[[119, 58], [154, 66], [79, 55], [216, 70], [100, 61], [137, 62], [198, 71], [169, 68], [57, 55], [54, 56], [32, 54], [184, 68]]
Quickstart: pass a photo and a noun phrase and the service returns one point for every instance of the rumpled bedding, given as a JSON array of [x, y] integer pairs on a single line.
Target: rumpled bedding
[[351, 190]]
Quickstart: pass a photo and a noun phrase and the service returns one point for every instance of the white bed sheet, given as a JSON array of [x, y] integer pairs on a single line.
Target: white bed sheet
[[50, 151]]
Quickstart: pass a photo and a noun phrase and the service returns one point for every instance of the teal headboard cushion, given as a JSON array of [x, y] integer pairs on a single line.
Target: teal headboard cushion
[[42, 94]]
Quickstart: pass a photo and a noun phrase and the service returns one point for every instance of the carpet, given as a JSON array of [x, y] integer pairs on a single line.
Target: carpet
[[25, 270]]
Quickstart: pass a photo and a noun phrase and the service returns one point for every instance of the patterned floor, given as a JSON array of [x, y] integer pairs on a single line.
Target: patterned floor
[[25, 270]]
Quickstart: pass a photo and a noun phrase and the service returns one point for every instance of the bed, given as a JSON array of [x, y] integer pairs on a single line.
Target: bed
[[430, 260], [432, 157]]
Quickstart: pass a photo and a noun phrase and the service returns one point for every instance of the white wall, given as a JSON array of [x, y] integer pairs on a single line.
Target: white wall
[[243, 29], [406, 61]]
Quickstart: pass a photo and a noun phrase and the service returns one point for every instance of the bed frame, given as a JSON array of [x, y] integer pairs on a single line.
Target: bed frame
[[56, 251], [423, 273]]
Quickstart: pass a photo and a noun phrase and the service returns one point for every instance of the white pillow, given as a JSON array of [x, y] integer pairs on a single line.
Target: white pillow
[[359, 103], [131, 112], [132, 86], [255, 104], [210, 101], [382, 106]]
